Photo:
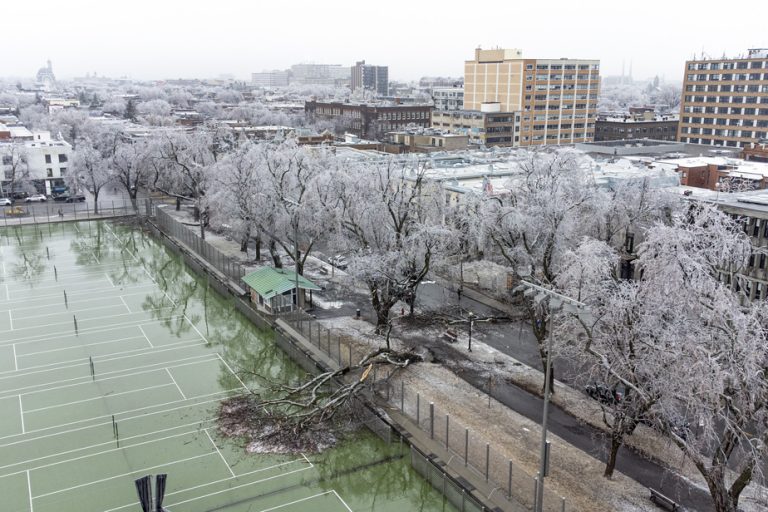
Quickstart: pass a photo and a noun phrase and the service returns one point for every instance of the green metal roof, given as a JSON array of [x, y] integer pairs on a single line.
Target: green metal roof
[[269, 282]]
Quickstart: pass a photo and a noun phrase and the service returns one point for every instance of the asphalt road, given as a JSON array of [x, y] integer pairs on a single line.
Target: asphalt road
[[516, 340]]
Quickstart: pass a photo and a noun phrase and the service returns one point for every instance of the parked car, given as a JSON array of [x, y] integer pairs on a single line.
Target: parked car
[[37, 198], [75, 199], [339, 262], [4, 201], [606, 394]]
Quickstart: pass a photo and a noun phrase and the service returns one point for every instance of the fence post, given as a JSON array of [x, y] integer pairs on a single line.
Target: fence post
[[350, 354], [536, 491], [418, 410], [562, 504], [447, 420], [402, 396], [509, 482], [487, 459], [431, 420], [466, 447]]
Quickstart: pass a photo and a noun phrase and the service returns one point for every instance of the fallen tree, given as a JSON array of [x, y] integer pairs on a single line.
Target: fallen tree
[[312, 415]]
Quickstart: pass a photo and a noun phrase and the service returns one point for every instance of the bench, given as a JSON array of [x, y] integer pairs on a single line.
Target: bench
[[662, 501], [451, 336]]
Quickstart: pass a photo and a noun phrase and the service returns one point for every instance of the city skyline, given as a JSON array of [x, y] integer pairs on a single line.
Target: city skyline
[[162, 40]]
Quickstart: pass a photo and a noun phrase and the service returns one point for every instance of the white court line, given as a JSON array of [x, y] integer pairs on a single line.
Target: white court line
[[29, 487], [15, 359], [93, 319], [219, 452], [78, 346], [95, 257], [104, 358], [341, 500], [144, 334], [4, 273], [110, 442], [39, 306], [94, 330], [95, 425], [135, 352], [231, 488], [176, 383], [110, 280], [88, 379], [294, 502], [233, 373], [10, 319], [21, 415], [88, 330], [77, 293], [7, 293], [127, 307], [71, 310], [138, 471], [214, 482], [100, 397]]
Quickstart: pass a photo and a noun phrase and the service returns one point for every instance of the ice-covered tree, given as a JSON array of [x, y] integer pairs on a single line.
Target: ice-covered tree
[[389, 219], [685, 347]]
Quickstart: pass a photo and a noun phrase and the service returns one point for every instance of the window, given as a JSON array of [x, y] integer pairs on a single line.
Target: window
[[62, 171], [62, 158], [7, 160], [49, 172], [48, 159]]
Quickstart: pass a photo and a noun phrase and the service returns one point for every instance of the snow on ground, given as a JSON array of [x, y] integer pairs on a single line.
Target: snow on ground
[[513, 434]]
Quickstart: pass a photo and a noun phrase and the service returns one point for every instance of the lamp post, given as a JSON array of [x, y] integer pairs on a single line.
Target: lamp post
[[471, 322], [555, 301]]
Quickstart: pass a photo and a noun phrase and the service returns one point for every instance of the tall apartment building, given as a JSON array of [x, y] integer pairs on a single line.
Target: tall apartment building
[[725, 101], [274, 78], [373, 78], [557, 98], [319, 74]]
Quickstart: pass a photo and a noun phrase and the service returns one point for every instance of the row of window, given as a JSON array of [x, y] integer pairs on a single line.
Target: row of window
[[718, 132], [540, 127], [558, 87], [726, 77], [726, 88], [711, 142], [756, 64], [739, 111], [558, 77], [754, 123], [593, 67], [397, 116], [726, 99]]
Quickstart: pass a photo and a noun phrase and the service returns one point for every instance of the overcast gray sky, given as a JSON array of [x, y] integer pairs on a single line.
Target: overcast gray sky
[[148, 39]]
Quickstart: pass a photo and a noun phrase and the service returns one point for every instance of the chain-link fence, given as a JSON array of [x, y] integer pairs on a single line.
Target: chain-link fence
[[21, 213], [227, 265], [467, 448]]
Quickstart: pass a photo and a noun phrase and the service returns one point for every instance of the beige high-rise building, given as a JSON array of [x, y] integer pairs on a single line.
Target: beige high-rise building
[[556, 98], [725, 101]]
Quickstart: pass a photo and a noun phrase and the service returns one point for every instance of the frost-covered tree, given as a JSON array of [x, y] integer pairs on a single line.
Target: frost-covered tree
[[686, 348], [93, 160], [16, 175], [132, 167], [551, 206], [389, 219]]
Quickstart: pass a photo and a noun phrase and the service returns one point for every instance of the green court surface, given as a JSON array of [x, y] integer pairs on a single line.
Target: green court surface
[[113, 360]]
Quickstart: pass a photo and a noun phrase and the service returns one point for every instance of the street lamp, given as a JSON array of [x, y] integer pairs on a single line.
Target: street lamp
[[555, 301], [471, 322]]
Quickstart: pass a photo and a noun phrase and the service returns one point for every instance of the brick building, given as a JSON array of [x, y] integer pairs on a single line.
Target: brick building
[[370, 121]]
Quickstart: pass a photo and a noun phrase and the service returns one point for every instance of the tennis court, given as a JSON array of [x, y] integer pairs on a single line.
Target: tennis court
[[113, 359]]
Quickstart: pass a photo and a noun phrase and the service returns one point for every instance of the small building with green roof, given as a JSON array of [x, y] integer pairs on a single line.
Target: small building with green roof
[[273, 290]]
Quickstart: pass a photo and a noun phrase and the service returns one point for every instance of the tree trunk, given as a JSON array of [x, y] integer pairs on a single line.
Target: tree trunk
[[614, 451], [258, 248], [276, 261], [178, 204], [721, 498], [95, 201]]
